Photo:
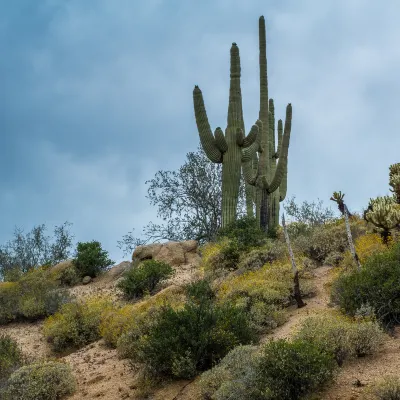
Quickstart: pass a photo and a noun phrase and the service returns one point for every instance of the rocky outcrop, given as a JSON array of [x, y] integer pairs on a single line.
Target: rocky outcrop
[[173, 253], [182, 256]]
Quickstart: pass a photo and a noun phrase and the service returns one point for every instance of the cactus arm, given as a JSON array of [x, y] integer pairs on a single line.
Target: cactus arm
[[283, 185], [239, 137], [280, 132], [282, 162], [207, 139], [220, 141], [251, 138]]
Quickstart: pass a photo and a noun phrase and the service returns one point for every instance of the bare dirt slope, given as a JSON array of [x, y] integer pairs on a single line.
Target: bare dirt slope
[[101, 375]]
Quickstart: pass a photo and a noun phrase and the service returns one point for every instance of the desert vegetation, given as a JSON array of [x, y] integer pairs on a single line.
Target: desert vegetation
[[217, 333]]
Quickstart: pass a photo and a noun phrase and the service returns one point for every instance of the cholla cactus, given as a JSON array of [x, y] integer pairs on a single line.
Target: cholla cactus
[[394, 180], [384, 213], [338, 198]]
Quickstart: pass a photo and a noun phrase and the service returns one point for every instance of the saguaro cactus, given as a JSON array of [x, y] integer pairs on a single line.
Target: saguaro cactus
[[226, 149], [268, 171]]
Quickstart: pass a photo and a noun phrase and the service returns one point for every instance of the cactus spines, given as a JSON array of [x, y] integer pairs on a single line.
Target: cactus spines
[[226, 148], [394, 180], [266, 168], [384, 213]]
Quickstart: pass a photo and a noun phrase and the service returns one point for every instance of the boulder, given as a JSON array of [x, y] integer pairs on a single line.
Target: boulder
[[174, 253]]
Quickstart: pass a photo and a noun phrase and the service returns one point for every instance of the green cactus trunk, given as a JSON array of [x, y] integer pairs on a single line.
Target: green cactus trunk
[[268, 171], [226, 149]]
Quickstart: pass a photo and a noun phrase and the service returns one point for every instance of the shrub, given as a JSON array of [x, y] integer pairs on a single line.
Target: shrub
[[76, 324], [33, 297], [144, 278], [327, 239], [341, 337], [368, 245], [246, 232], [387, 389], [11, 357], [376, 284], [288, 371], [199, 335], [262, 294], [91, 259], [132, 318], [49, 380], [65, 273], [257, 258], [234, 377]]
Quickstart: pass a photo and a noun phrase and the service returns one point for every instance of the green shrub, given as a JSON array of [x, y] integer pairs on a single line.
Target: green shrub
[[272, 251], [246, 232], [199, 335], [327, 240], [376, 284], [290, 370], [49, 380], [144, 278], [341, 337], [34, 296], [76, 324], [234, 377], [387, 389], [11, 357], [90, 259]]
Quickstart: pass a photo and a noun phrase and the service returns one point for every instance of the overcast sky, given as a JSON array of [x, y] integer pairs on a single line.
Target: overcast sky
[[96, 97]]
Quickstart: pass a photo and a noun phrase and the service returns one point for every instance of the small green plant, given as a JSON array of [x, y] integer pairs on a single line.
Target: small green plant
[[375, 284], [199, 335], [11, 357], [291, 370], [48, 380], [387, 389], [90, 259], [144, 278]]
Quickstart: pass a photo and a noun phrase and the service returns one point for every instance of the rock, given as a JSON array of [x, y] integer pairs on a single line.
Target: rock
[[173, 253], [86, 280]]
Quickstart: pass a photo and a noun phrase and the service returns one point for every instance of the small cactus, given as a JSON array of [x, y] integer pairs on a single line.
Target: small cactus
[[384, 213]]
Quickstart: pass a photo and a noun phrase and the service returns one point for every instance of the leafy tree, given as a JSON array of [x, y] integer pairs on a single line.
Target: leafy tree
[[35, 248], [188, 201], [90, 259]]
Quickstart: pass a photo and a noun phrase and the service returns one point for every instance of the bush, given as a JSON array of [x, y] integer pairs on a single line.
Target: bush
[[91, 259], [133, 318], [388, 389], [33, 297], [326, 239], [199, 335], [368, 245], [262, 294], [376, 284], [234, 377], [340, 336], [257, 258], [76, 324], [144, 278], [11, 357], [288, 371], [245, 231], [49, 380], [65, 273]]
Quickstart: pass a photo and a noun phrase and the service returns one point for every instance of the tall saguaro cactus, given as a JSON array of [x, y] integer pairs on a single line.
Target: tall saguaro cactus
[[268, 171], [226, 149]]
